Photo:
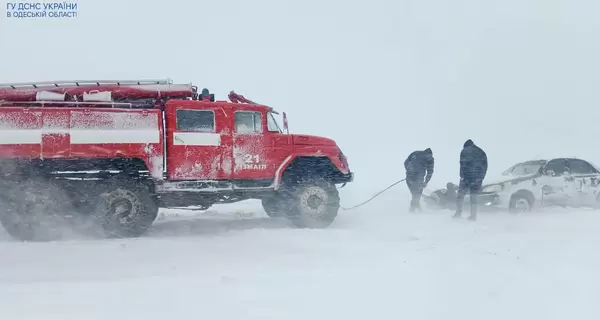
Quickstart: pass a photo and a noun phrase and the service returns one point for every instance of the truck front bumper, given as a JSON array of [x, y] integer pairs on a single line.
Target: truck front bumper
[[345, 178], [349, 176]]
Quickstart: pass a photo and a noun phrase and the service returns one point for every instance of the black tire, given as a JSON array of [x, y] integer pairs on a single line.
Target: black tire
[[35, 211], [520, 203], [126, 209], [276, 206], [315, 204]]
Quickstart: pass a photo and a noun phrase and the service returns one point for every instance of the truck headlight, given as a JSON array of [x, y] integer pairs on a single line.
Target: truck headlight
[[495, 188]]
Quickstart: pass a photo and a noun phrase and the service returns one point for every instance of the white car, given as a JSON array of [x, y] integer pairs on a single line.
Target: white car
[[565, 182]]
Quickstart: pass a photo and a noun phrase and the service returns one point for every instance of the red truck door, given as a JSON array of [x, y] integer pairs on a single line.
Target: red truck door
[[250, 156], [198, 141]]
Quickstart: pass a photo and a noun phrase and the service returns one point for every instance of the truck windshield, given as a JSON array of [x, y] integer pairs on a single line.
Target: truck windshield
[[272, 123]]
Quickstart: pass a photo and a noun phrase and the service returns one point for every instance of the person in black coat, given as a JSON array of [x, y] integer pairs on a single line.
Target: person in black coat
[[473, 168], [419, 169]]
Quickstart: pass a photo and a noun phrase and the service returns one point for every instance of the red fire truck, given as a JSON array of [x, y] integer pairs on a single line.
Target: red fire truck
[[110, 153]]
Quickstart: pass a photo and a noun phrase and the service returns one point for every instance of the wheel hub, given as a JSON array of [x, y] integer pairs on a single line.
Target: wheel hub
[[122, 205], [122, 208], [313, 200], [522, 205]]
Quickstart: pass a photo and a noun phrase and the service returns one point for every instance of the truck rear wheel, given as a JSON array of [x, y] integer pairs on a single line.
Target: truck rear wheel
[[34, 210], [316, 204], [126, 209]]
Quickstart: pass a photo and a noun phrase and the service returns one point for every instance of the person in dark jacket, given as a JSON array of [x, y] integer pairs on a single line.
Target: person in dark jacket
[[419, 169], [473, 168]]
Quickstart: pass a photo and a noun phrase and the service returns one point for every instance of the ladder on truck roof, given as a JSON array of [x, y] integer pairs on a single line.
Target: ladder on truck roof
[[78, 83]]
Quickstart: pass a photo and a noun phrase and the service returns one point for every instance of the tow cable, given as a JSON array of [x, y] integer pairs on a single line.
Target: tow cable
[[373, 197]]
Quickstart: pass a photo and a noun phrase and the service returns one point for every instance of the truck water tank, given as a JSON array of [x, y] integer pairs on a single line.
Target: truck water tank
[[97, 96], [50, 96]]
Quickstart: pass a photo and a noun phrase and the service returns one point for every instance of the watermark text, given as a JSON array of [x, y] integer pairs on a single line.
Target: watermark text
[[28, 10]]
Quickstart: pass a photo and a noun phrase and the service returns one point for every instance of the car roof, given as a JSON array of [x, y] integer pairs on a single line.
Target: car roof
[[532, 161], [552, 158]]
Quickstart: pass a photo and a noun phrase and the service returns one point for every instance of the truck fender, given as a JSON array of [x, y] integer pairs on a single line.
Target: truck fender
[[288, 160]]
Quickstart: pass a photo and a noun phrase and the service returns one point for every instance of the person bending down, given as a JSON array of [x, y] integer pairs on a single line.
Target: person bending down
[[419, 170]]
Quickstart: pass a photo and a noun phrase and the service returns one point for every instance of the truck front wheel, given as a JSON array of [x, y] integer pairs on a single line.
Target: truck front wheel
[[126, 209], [316, 204]]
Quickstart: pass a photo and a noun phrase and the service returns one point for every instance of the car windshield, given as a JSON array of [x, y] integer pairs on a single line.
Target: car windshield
[[524, 168], [594, 165], [272, 124]]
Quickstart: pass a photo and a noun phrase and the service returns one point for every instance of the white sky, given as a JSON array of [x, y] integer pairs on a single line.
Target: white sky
[[382, 78]]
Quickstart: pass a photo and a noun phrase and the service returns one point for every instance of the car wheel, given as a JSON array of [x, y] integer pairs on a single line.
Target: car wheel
[[520, 203]]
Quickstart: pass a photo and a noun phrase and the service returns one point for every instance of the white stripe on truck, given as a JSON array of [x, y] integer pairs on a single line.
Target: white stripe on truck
[[81, 136], [196, 139], [20, 136], [91, 136], [114, 136]]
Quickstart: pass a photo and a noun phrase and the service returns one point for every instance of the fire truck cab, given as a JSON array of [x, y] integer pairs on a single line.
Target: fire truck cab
[[105, 155]]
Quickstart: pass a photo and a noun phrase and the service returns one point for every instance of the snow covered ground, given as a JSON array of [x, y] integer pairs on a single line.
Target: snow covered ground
[[519, 77], [377, 262]]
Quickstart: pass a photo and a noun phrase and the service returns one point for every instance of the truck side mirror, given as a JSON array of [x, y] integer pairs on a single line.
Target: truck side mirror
[[285, 123]]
